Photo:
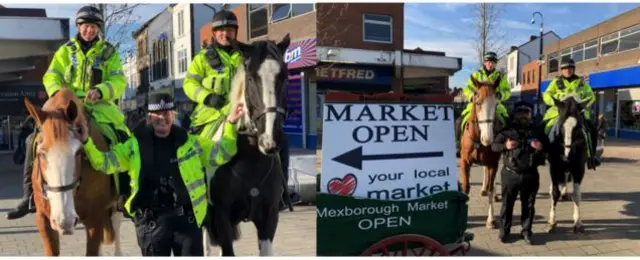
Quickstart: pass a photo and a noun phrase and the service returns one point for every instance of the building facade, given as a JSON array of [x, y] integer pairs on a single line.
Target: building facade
[[351, 47], [609, 53], [130, 70], [160, 46]]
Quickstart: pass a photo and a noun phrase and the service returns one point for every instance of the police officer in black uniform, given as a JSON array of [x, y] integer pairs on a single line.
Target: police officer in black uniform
[[521, 145]]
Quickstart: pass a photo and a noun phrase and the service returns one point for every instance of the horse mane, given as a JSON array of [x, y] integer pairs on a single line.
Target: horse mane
[[56, 109]]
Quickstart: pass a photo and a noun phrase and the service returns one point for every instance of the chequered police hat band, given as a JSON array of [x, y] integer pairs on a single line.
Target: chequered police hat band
[[224, 22], [160, 106]]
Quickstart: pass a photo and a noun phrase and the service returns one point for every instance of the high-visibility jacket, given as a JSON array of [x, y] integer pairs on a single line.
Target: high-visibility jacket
[[210, 75], [560, 88], [73, 69], [194, 157], [481, 75]]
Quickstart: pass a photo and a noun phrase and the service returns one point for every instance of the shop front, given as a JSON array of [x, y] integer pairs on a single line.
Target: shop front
[[618, 99], [13, 111], [300, 58]]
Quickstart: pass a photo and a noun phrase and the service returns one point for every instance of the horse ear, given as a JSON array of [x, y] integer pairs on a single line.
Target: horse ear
[[72, 111], [475, 82], [36, 113], [284, 44]]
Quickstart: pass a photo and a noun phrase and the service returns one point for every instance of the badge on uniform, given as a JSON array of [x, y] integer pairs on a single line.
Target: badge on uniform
[[220, 69]]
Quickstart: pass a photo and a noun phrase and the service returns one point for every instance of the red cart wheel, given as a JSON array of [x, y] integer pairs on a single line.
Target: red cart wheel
[[429, 247]]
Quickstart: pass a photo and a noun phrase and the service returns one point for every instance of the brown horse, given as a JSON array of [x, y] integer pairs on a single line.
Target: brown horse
[[481, 126], [67, 190]]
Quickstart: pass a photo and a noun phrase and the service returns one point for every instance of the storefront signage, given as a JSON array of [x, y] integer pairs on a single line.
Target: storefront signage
[[12, 98], [301, 54], [293, 122], [354, 74]]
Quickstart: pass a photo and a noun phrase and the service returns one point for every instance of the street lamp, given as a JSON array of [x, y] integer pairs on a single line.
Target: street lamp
[[540, 60]]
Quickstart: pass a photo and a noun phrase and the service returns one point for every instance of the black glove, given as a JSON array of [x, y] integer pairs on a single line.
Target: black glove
[[215, 101]]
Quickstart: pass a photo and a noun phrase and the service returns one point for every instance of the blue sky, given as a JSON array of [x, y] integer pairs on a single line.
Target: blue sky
[[448, 27]]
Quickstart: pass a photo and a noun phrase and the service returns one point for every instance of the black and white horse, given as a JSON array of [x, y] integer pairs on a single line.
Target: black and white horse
[[250, 186], [567, 156]]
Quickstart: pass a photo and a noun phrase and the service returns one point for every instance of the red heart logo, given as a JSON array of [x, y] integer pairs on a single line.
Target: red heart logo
[[343, 186]]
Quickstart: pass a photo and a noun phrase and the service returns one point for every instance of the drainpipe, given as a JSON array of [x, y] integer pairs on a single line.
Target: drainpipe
[[305, 110]]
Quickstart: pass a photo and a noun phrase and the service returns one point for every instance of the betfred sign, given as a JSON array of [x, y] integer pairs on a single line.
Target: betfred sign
[[345, 73], [354, 74]]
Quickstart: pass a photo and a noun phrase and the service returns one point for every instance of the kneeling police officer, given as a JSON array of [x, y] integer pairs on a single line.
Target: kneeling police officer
[[521, 145], [167, 169]]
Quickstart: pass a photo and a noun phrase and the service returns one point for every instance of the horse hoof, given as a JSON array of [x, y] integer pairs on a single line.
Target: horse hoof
[[484, 193], [551, 228], [578, 229], [497, 198], [491, 225]]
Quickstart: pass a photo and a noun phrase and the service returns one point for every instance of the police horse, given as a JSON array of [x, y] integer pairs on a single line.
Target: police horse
[[567, 156], [250, 186]]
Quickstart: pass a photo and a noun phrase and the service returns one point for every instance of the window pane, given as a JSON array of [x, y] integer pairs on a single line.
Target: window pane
[[566, 51], [379, 18], [590, 53], [299, 9], [280, 11], [578, 47], [258, 21], [377, 32], [578, 55], [609, 47], [591, 43], [630, 30], [553, 66], [630, 42], [610, 37], [255, 6]]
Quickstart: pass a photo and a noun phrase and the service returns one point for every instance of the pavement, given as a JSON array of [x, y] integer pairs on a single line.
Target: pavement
[[610, 211]]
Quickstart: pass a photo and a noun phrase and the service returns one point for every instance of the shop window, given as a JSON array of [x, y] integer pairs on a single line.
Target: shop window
[[609, 44], [630, 115], [378, 28], [630, 38], [591, 50], [258, 20]]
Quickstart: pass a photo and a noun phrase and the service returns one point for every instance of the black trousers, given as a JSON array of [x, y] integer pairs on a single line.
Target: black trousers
[[526, 184], [159, 234]]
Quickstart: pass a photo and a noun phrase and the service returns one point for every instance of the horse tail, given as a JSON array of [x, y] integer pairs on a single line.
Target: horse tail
[[108, 235]]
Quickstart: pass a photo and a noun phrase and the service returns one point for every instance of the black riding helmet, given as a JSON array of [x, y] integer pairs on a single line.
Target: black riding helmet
[[223, 19], [89, 14], [522, 107], [491, 56], [567, 63]]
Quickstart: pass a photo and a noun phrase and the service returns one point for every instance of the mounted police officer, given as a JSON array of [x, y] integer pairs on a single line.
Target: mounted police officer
[[487, 73], [521, 145], [208, 83], [167, 169], [566, 84], [91, 68]]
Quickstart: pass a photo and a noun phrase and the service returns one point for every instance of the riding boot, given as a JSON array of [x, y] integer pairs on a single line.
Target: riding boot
[[26, 205], [284, 162], [594, 161]]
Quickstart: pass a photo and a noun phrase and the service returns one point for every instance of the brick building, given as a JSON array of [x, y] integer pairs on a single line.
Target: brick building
[[609, 53], [353, 47]]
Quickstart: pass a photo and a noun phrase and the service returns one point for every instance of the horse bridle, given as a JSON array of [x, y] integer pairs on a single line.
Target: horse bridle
[[253, 128], [43, 183]]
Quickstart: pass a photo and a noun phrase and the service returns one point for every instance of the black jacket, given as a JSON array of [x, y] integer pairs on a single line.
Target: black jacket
[[523, 158]]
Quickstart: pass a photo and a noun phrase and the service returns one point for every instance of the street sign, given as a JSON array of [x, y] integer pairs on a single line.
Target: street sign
[[388, 168], [388, 151]]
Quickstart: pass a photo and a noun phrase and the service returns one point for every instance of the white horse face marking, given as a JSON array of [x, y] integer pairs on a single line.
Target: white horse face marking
[[268, 71], [568, 126], [486, 117], [60, 171]]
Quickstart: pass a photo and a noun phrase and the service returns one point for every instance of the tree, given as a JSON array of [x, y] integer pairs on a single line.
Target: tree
[[486, 18], [119, 22]]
